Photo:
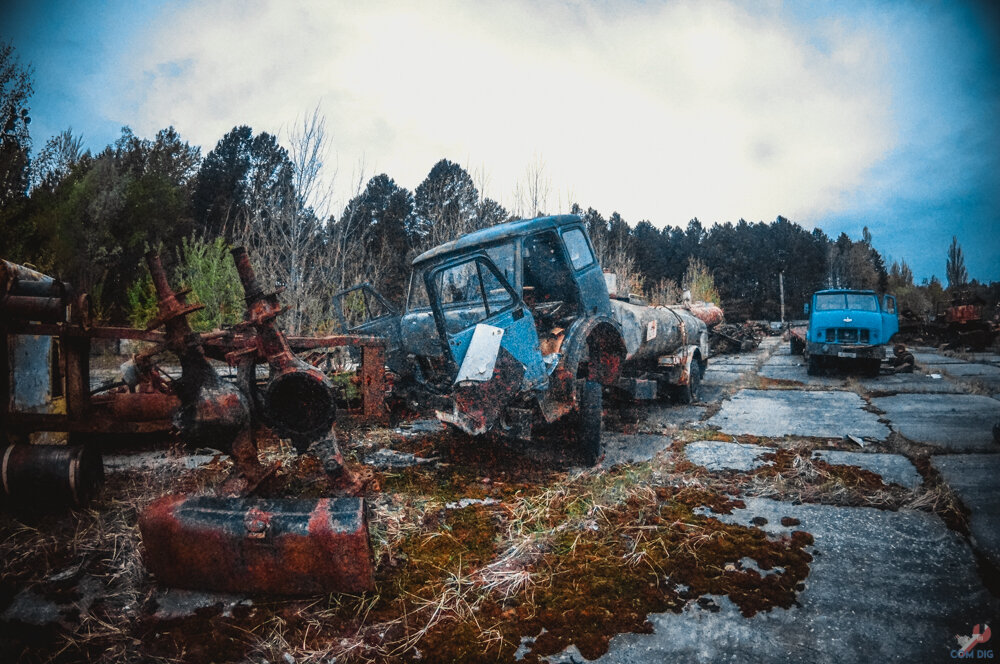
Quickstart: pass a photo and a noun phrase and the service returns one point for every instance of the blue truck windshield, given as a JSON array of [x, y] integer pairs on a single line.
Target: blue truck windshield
[[839, 301]]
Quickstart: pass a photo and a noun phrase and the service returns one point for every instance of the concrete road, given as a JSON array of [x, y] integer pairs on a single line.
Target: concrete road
[[896, 586]]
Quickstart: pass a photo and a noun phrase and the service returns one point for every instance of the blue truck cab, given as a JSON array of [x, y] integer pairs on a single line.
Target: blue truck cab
[[850, 328]]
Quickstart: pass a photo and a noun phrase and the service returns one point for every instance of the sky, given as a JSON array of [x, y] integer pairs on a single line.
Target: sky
[[837, 115]]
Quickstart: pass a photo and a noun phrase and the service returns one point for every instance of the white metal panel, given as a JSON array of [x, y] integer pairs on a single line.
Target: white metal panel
[[482, 354]]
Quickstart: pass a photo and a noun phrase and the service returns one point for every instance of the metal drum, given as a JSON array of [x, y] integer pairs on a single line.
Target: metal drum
[[49, 477]]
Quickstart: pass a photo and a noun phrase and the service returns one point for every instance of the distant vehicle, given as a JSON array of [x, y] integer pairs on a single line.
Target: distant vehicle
[[847, 329], [963, 323]]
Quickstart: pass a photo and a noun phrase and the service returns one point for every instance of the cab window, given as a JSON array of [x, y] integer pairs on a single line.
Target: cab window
[[469, 293], [579, 251]]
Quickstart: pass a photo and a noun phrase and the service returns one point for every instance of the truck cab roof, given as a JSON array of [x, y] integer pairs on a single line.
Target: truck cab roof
[[496, 233], [845, 290]]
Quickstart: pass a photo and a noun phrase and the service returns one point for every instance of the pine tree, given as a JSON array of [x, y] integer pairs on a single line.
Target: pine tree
[[955, 267]]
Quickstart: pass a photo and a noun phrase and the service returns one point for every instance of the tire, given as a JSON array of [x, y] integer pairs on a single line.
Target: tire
[[689, 393], [812, 368], [871, 368], [795, 346], [589, 420]]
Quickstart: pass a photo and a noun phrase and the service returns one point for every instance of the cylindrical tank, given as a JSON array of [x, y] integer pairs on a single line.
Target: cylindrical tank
[[652, 332], [49, 477], [30, 295], [709, 312]]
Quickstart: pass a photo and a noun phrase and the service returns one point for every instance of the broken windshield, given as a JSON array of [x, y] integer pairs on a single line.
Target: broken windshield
[[502, 256]]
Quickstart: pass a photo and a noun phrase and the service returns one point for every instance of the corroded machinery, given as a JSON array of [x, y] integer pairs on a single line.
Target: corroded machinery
[[225, 542]]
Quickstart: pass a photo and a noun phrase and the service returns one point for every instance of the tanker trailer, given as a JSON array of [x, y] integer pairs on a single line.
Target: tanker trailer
[[666, 350]]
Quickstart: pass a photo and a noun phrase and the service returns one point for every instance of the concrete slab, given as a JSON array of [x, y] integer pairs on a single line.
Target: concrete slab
[[958, 422], [893, 468], [933, 359], [914, 383], [719, 455], [986, 358], [733, 361], [622, 448], [883, 586], [974, 479], [790, 372], [715, 376], [776, 413], [785, 360], [665, 416], [973, 370], [711, 392]]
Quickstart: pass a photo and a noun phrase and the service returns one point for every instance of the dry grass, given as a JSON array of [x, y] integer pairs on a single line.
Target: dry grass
[[433, 580]]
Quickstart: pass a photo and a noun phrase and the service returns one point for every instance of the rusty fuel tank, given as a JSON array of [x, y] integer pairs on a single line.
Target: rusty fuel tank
[[281, 546], [41, 478], [31, 295]]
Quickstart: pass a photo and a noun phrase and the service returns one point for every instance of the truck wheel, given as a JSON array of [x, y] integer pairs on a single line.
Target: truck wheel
[[872, 368], [812, 368], [589, 418], [689, 393], [795, 346]]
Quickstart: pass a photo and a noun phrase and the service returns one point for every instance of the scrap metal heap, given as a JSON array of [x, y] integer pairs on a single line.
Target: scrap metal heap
[[240, 544], [226, 542]]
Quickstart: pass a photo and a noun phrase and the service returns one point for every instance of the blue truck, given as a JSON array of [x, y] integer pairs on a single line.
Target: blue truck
[[847, 329], [514, 325]]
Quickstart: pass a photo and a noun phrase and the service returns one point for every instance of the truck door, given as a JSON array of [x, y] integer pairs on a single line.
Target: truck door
[[471, 294], [890, 318], [362, 310]]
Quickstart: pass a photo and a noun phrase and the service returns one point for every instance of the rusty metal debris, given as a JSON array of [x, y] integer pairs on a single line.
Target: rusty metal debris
[[285, 547], [45, 375], [211, 411], [737, 338], [279, 546]]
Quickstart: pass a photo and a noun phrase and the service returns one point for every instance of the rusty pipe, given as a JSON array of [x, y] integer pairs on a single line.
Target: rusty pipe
[[30, 307], [248, 277], [708, 312], [212, 412], [299, 400], [138, 406]]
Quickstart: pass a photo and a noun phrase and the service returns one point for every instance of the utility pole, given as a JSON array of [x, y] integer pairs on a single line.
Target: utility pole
[[781, 284]]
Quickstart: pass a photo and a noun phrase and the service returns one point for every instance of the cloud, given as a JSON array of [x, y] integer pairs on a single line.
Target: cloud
[[707, 109]]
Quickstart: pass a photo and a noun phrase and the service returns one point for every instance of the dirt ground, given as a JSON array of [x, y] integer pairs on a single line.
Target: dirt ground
[[491, 551]]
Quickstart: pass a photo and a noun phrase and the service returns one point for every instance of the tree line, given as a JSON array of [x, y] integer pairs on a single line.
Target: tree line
[[89, 218]]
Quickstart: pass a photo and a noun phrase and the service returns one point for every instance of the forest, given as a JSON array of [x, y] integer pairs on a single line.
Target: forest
[[89, 218]]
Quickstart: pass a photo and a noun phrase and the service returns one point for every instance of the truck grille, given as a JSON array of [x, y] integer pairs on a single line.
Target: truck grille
[[847, 335]]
